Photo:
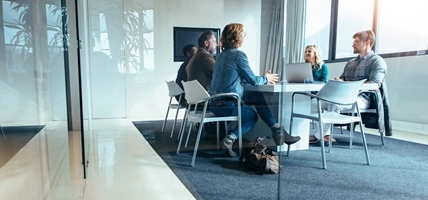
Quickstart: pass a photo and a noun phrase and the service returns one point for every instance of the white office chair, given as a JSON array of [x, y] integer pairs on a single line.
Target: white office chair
[[2, 132], [369, 110], [196, 94], [334, 92], [173, 90]]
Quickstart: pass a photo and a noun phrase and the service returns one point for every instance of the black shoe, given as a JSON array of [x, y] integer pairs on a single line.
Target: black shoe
[[227, 145]]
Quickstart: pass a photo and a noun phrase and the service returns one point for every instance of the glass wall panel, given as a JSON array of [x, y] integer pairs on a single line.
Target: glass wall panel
[[33, 101]]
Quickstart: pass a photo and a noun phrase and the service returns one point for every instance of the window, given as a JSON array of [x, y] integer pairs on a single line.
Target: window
[[353, 16], [401, 26], [318, 24]]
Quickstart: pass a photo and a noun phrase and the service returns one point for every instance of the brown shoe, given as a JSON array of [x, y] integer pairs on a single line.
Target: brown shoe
[[327, 138], [313, 139]]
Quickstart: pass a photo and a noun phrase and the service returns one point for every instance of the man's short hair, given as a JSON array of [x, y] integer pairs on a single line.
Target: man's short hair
[[187, 49], [365, 36], [205, 36]]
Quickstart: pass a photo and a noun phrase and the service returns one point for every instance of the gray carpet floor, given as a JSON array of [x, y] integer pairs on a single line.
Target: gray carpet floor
[[399, 170]]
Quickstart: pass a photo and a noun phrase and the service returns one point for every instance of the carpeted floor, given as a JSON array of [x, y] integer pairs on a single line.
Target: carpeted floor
[[16, 138], [399, 170]]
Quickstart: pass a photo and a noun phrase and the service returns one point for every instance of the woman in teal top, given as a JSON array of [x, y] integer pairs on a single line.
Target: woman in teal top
[[319, 68], [320, 73]]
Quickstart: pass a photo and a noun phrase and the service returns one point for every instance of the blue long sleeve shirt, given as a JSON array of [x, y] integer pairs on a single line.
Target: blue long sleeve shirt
[[232, 71]]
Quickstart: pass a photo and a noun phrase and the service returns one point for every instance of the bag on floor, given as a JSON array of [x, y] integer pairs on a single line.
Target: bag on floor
[[260, 159]]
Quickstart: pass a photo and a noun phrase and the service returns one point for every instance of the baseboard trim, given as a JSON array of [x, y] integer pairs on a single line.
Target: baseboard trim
[[411, 127]]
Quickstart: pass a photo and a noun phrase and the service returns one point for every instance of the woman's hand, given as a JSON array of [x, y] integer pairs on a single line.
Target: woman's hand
[[272, 78]]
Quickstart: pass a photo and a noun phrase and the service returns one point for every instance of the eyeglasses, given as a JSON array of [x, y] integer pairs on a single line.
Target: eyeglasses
[[357, 42]]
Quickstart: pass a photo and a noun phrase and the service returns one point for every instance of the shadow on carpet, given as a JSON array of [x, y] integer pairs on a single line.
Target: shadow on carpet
[[16, 138], [398, 170]]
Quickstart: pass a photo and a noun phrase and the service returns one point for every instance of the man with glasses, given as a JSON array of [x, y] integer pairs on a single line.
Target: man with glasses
[[367, 65]]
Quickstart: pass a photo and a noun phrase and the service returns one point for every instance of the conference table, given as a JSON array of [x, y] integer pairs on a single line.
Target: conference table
[[278, 97]]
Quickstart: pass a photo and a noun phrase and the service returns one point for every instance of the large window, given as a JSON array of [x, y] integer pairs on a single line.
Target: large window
[[331, 24], [402, 26], [318, 24], [353, 16]]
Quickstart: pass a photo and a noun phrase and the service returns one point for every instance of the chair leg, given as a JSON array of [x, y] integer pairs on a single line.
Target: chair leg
[[351, 134], [330, 143], [166, 116], [175, 121], [382, 138], [182, 125], [324, 162], [2, 132], [240, 136], [366, 151], [198, 138], [189, 132], [291, 130]]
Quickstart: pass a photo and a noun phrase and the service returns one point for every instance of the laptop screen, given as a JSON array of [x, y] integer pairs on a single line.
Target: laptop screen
[[299, 73]]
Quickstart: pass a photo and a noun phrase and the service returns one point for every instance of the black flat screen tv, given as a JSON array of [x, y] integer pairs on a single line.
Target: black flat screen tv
[[189, 35]]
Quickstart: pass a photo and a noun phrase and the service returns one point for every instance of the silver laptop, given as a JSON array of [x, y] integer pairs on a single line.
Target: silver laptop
[[299, 73]]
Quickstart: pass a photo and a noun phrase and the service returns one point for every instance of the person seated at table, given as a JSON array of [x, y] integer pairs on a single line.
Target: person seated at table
[[188, 51], [367, 65], [320, 73], [319, 68], [201, 66], [231, 72]]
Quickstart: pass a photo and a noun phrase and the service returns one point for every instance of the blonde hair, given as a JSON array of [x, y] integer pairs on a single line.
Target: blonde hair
[[318, 55], [231, 36]]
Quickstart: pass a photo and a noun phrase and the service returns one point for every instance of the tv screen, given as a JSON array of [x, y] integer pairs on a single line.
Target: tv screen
[[188, 35]]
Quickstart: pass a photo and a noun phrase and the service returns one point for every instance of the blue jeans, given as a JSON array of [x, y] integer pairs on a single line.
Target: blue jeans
[[249, 116]]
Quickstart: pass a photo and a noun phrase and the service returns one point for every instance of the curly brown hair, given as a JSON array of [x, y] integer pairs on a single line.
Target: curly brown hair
[[232, 36]]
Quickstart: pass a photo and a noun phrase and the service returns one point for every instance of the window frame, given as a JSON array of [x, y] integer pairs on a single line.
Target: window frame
[[331, 57]]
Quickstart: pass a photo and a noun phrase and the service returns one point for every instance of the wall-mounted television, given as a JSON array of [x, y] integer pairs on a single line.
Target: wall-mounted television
[[189, 35]]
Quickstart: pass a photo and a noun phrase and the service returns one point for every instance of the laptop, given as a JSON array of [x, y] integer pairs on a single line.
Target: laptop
[[299, 73]]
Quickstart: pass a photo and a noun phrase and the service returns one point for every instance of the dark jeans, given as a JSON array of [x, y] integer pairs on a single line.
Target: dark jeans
[[249, 116]]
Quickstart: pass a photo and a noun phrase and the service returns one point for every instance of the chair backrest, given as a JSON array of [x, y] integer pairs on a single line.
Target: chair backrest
[[194, 91], [174, 89], [341, 92]]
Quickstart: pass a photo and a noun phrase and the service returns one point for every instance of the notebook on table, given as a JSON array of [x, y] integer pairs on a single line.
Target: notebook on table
[[299, 73]]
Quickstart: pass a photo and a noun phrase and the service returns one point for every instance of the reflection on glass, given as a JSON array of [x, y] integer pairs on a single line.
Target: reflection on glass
[[32, 88]]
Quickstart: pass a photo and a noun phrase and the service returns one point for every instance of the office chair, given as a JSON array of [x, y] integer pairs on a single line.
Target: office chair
[[377, 99], [333, 92], [196, 94], [173, 91], [2, 132]]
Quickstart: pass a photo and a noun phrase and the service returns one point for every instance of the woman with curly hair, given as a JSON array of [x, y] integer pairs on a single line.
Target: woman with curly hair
[[231, 72]]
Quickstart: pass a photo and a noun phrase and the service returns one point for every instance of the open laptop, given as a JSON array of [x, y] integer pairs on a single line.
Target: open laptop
[[299, 73]]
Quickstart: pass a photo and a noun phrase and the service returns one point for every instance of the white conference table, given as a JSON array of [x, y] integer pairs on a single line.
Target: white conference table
[[278, 97]]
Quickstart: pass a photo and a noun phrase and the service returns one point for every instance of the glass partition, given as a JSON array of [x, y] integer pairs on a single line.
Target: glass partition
[[33, 100]]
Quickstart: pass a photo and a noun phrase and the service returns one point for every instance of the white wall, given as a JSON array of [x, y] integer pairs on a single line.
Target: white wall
[[147, 94]]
